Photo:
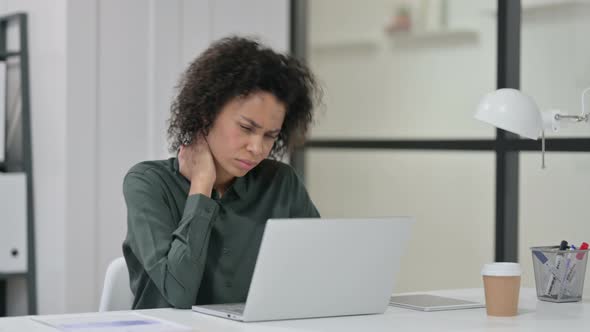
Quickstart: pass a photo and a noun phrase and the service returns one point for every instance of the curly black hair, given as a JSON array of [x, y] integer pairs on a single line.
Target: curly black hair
[[236, 67]]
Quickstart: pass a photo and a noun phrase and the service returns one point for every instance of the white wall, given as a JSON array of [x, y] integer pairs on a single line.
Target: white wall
[[81, 181], [102, 78]]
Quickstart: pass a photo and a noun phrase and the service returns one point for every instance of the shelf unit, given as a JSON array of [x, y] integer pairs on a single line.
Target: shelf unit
[[399, 39], [438, 37], [18, 159], [353, 44]]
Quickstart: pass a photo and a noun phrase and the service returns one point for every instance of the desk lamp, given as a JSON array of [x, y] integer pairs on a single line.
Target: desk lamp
[[513, 111]]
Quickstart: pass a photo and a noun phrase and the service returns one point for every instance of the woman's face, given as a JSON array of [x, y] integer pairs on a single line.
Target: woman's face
[[244, 133]]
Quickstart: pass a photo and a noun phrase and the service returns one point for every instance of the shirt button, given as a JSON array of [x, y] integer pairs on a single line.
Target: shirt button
[[226, 251], [208, 209]]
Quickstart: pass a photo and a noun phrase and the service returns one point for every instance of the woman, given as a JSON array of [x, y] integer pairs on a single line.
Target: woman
[[195, 222]]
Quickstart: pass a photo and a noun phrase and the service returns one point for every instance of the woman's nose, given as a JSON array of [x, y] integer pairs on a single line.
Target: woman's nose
[[255, 145]]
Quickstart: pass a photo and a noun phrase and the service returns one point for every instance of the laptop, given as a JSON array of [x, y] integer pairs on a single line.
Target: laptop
[[309, 268]]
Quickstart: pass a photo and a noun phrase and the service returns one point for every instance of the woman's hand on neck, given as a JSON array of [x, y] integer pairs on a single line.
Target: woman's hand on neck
[[197, 165]]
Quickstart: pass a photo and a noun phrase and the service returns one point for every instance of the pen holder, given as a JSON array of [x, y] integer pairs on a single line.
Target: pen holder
[[559, 274]]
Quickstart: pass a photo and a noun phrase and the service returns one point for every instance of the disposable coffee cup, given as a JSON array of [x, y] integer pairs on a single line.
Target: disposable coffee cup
[[501, 283]]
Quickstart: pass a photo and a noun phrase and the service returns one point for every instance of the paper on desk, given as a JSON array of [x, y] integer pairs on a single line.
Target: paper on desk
[[119, 322]]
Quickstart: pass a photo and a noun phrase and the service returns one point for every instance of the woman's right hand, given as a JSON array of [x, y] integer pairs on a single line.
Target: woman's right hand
[[196, 164]]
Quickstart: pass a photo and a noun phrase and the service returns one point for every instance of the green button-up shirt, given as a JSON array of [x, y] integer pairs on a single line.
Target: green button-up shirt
[[183, 250]]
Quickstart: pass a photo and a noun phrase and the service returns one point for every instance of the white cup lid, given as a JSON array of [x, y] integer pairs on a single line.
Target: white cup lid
[[501, 269]]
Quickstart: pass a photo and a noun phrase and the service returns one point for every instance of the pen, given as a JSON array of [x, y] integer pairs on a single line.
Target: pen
[[579, 256], [544, 261], [550, 290], [567, 269]]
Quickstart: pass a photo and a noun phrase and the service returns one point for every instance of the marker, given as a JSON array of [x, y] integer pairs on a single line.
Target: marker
[[550, 290], [563, 245], [568, 262], [545, 262], [579, 256]]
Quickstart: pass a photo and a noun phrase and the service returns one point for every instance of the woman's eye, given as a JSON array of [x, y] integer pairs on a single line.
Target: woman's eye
[[246, 128]]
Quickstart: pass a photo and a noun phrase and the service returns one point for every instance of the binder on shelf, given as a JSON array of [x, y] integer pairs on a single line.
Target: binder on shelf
[[13, 223], [2, 110]]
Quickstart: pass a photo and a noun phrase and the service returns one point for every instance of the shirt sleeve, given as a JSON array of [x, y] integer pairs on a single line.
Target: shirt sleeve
[[172, 252], [302, 206]]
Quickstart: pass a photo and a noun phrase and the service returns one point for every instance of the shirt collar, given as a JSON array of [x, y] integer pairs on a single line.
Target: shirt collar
[[240, 185], [175, 165]]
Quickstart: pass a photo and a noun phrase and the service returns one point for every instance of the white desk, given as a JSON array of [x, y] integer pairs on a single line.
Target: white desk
[[533, 315]]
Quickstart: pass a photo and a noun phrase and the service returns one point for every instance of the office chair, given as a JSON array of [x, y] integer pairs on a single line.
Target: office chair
[[116, 293]]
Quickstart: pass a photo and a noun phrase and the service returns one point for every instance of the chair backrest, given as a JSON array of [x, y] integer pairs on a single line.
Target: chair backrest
[[116, 292]]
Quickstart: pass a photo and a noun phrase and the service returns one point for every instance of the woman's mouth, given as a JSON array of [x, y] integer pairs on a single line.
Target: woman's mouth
[[246, 164]]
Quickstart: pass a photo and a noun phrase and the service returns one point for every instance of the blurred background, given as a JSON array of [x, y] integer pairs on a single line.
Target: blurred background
[[395, 136]]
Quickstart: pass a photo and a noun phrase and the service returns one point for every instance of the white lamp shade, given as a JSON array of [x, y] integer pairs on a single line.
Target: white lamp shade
[[511, 110]]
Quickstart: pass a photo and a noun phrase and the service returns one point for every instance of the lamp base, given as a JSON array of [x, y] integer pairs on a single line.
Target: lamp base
[[551, 120]]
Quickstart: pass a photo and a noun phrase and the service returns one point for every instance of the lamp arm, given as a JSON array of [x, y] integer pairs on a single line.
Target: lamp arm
[[584, 114], [583, 117], [576, 118]]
